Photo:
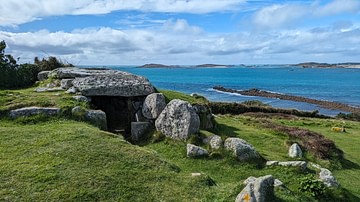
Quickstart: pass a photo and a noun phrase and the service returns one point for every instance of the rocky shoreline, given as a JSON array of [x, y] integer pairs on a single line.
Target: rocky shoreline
[[321, 103], [152, 65]]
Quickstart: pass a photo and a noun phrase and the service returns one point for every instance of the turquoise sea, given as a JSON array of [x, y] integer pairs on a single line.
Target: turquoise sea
[[332, 84]]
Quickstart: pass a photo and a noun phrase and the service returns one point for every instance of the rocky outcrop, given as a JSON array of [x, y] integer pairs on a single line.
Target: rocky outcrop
[[207, 120], [328, 178], [195, 151], [138, 130], [120, 84], [295, 151], [30, 111], [178, 120], [66, 83], [97, 118], [241, 149], [43, 75], [259, 190], [153, 105]]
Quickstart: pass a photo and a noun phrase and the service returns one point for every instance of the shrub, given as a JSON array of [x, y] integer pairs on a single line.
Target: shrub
[[311, 186]]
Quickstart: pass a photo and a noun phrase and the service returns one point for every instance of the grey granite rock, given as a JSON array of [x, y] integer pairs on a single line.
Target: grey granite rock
[[295, 151], [153, 105], [138, 130], [30, 111], [260, 190], [241, 149], [195, 151]]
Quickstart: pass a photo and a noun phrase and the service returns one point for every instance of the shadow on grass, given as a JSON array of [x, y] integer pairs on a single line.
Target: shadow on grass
[[225, 130], [347, 164]]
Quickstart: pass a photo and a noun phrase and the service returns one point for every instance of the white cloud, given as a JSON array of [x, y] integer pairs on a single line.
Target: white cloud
[[339, 6], [15, 12]]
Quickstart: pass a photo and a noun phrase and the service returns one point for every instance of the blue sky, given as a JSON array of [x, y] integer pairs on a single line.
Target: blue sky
[[134, 32]]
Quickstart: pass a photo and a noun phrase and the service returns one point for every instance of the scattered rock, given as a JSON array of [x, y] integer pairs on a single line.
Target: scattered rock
[[153, 105], [272, 163], [195, 174], [66, 83], [241, 149], [81, 98], [314, 165], [178, 120], [278, 183], [327, 178], [72, 90], [138, 130], [30, 111], [195, 151], [260, 190], [97, 118], [215, 142], [301, 164], [43, 75], [295, 151], [46, 89], [207, 120], [120, 84]]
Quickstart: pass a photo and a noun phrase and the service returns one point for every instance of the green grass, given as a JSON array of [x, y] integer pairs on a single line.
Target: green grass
[[53, 159], [170, 95]]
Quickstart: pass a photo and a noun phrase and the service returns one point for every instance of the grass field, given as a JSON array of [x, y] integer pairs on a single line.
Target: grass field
[[62, 160]]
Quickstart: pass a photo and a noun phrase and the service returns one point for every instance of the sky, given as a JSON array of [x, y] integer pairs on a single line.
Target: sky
[[182, 32]]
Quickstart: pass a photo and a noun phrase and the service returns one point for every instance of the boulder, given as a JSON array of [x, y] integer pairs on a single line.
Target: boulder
[[214, 141], [241, 149], [81, 98], [73, 72], [153, 105], [48, 89], [97, 118], [301, 164], [195, 151], [138, 130], [328, 178], [66, 83], [120, 84], [207, 120], [72, 90], [30, 111], [295, 151], [43, 75], [260, 190], [178, 120]]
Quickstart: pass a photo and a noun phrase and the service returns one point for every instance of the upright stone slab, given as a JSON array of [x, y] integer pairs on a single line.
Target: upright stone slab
[[295, 151], [328, 178], [97, 118], [138, 130], [178, 120], [259, 190], [153, 105]]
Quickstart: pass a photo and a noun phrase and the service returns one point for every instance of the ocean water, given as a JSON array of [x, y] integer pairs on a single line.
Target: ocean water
[[335, 84]]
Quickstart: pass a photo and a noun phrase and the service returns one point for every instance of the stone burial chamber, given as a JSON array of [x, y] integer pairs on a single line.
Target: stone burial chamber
[[119, 94]]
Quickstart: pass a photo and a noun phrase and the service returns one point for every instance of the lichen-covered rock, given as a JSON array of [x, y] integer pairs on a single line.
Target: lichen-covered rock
[[81, 98], [72, 90], [178, 120], [241, 149], [207, 120], [30, 111], [120, 84], [48, 89], [216, 142], [73, 72], [138, 130], [301, 164], [295, 151], [153, 105], [66, 83], [195, 151], [43, 75], [97, 118], [260, 190], [328, 178]]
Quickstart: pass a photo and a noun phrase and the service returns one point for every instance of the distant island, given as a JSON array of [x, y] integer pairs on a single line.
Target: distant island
[[327, 65], [153, 65]]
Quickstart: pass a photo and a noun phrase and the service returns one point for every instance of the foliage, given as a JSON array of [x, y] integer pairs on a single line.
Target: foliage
[[13, 75], [312, 186], [351, 116], [255, 103]]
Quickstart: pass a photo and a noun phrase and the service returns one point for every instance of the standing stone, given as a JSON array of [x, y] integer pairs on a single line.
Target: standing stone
[[97, 118], [295, 151], [207, 120], [195, 151], [260, 190], [66, 83], [138, 130], [241, 149], [178, 120], [327, 178], [153, 105]]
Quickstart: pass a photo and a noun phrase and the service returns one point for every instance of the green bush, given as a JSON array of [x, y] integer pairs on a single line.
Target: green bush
[[312, 186]]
